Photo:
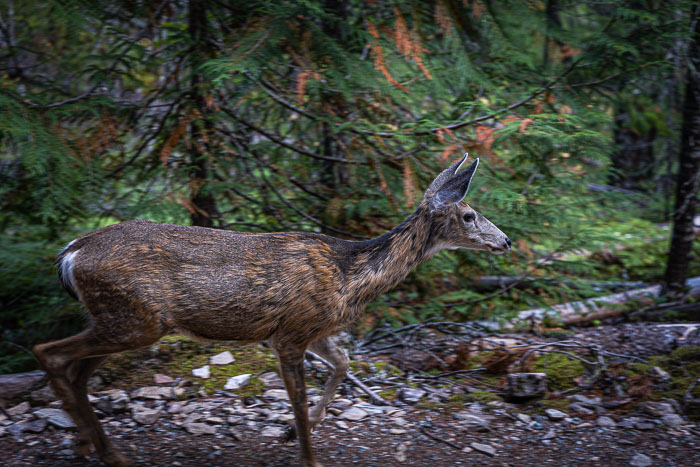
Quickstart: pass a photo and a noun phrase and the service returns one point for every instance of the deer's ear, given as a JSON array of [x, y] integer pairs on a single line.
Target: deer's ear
[[455, 188], [446, 174]]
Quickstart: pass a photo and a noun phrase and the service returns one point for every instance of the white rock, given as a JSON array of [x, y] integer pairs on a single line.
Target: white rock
[[640, 460], [525, 418], [555, 414], [671, 419], [56, 417], [484, 448], [199, 429], [19, 409], [224, 358], [605, 422], [152, 392], [276, 394], [202, 372], [237, 382], [145, 416], [354, 414], [272, 432]]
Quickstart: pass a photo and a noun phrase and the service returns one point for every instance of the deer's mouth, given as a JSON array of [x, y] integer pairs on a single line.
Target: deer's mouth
[[497, 250]]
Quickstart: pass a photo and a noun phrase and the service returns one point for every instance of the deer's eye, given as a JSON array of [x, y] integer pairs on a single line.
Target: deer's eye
[[469, 217]]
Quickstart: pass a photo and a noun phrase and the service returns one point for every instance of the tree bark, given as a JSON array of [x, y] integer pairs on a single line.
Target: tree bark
[[204, 209], [688, 171]]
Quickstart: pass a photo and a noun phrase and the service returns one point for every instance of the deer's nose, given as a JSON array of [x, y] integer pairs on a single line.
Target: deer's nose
[[508, 243]]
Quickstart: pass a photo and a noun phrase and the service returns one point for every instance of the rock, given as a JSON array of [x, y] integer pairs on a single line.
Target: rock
[[555, 415], [370, 408], [235, 434], [56, 417], [398, 431], [657, 409], [484, 448], [162, 379], [643, 426], [522, 385], [342, 425], [199, 429], [144, 415], [279, 394], [19, 409], [202, 372], [36, 426], [473, 422], [105, 405], [215, 420], [16, 429], [17, 383], [605, 422], [271, 380], [640, 460], [354, 414], [153, 393], [580, 409], [583, 400], [411, 395], [43, 395], [526, 419], [272, 432], [237, 382], [672, 419], [224, 358], [400, 453], [120, 405]]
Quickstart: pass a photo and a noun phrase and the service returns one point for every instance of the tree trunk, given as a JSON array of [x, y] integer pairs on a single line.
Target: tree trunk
[[688, 170], [203, 203]]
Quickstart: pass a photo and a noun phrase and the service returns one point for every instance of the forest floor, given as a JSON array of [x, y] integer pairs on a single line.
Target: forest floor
[[632, 403]]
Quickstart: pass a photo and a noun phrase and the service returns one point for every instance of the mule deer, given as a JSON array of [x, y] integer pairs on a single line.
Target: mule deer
[[140, 280]]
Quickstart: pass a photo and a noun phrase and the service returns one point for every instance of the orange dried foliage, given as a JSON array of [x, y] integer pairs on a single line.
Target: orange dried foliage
[[409, 188], [379, 61], [407, 43], [443, 18], [448, 151], [174, 139], [524, 124], [484, 137], [477, 9]]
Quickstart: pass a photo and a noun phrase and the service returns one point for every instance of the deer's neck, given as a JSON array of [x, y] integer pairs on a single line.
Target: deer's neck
[[381, 263]]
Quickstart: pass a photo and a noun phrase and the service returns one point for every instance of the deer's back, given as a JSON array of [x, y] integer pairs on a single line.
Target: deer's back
[[213, 284]]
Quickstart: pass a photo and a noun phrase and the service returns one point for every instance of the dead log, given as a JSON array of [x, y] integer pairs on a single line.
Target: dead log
[[493, 282], [585, 311]]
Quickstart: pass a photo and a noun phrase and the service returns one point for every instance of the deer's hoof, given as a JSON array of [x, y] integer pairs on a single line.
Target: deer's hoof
[[290, 435]]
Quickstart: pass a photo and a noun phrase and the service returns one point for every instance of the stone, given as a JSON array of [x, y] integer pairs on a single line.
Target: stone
[[159, 378], [271, 380], [411, 395], [279, 394], [342, 425], [471, 422], [56, 417], [605, 422], [643, 426], [237, 382], [555, 415], [527, 385], [43, 395], [223, 358], [354, 414], [105, 405], [580, 409], [370, 408], [120, 405], [144, 415], [153, 393], [400, 453], [640, 460], [583, 400], [19, 409], [483, 448], [36, 426], [199, 429], [398, 431], [672, 419], [16, 429], [657, 409], [526, 419], [272, 431], [215, 420], [202, 372]]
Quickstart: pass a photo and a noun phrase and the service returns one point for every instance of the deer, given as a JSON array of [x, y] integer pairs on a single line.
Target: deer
[[140, 280]]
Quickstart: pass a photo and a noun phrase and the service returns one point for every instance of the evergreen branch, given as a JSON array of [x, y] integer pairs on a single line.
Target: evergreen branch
[[282, 143]]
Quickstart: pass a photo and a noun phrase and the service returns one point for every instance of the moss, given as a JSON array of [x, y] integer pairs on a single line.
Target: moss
[[482, 396], [478, 359], [637, 369], [389, 394], [559, 404], [561, 370], [687, 353]]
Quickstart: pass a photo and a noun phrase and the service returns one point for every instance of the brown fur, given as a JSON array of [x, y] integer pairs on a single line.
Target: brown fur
[[140, 280]]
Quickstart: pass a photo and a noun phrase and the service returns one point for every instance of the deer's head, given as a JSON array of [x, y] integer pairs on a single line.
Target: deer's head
[[458, 225]]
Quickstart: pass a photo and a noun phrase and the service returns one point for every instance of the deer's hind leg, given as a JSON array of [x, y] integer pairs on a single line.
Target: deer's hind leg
[[68, 364], [336, 356]]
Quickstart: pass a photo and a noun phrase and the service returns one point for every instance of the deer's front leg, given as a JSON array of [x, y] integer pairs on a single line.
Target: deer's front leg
[[292, 369]]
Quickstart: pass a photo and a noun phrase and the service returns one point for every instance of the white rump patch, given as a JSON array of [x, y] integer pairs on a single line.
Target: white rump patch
[[67, 270]]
